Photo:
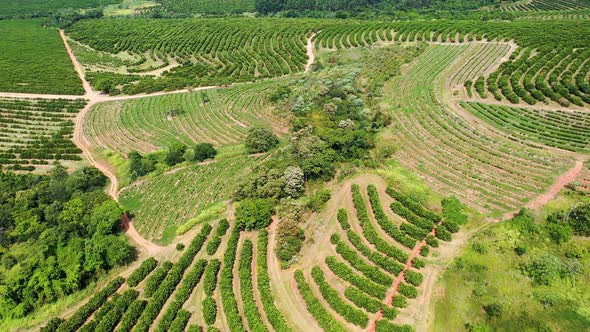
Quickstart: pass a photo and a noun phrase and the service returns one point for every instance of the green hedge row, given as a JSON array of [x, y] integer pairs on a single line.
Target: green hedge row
[[275, 317], [399, 302], [385, 262], [350, 313], [346, 273], [411, 217], [387, 225], [131, 315], [413, 277], [154, 281], [95, 302], [386, 326], [167, 287], [408, 291], [370, 232], [370, 271], [228, 298], [417, 208], [189, 282], [179, 323], [251, 312], [146, 267], [209, 310], [362, 300], [314, 306], [215, 241], [413, 231], [342, 217], [211, 273]]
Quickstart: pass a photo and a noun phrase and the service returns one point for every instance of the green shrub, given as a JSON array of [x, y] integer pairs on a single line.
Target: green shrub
[[314, 306], [362, 300], [246, 289], [209, 310], [210, 279], [346, 273], [260, 139], [254, 214], [152, 283], [408, 291], [204, 151], [142, 271]]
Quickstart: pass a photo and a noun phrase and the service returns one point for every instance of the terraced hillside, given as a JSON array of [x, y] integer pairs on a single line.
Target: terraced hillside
[[545, 5], [37, 132], [212, 52], [487, 172], [227, 279], [568, 130], [219, 116], [173, 198]]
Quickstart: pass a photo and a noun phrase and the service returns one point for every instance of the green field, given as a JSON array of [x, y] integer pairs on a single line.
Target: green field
[[173, 198], [36, 8], [568, 130], [34, 60], [37, 132], [219, 116], [208, 6]]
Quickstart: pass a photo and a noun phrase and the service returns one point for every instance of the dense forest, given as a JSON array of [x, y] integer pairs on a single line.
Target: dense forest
[[58, 233]]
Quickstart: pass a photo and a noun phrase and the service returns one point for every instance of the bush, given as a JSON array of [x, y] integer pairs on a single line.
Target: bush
[[204, 151], [180, 246], [493, 310], [386, 326], [210, 280], [179, 323], [175, 154], [342, 217], [408, 291], [314, 306], [209, 310], [142, 271], [350, 313], [215, 241], [413, 278], [384, 262], [318, 200], [254, 214], [399, 302], [443, 234], [52, 325], [260, 139]]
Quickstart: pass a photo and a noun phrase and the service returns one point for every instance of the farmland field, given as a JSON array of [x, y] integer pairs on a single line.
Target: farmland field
[[173, 198], [258, 165], [35, 133], [40, 64], [219, 116]]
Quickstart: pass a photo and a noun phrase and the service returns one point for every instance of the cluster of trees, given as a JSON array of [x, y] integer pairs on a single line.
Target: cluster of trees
[[59, 232], [140, 165]]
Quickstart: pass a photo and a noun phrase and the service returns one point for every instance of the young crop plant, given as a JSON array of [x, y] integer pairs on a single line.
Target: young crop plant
[[226, 280]]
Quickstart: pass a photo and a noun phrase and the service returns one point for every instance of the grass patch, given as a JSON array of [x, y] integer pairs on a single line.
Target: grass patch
[[210, 213]]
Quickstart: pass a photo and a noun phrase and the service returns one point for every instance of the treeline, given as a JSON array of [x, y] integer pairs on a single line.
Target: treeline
[[349, 7], [58, 233]]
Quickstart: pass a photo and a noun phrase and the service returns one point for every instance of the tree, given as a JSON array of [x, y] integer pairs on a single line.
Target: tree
[[579, 219], [204, 151], [260, 139], [254, 214], [175, 154], [136, 167], [106, 218], [294, 181]]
